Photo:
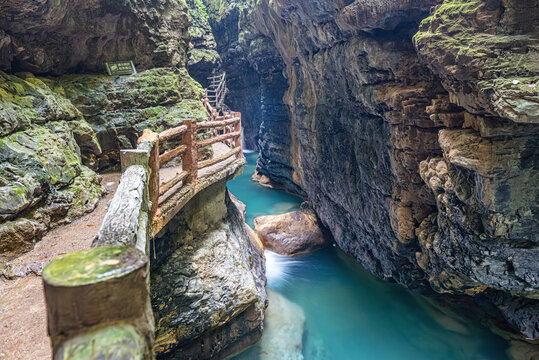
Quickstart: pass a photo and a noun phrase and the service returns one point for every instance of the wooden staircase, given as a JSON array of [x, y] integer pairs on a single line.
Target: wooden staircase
[[216, 91]]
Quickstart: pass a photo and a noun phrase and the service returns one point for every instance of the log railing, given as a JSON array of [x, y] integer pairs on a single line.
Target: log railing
[[223, 128], [98, 300]]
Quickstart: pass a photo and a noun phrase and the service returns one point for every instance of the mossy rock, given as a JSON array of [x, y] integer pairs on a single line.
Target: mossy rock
[[27, 101], [116, 342], [119, 108], [482, 60], [208, 56], [43, 163], [53, 146]]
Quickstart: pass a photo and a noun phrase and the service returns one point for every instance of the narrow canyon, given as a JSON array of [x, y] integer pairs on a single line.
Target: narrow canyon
[[269, 179]]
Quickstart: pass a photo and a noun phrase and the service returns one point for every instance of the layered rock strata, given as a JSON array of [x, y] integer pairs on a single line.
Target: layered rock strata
[[418, 153]]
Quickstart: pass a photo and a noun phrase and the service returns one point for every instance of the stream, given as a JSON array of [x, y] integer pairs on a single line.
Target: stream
[[349, 313]]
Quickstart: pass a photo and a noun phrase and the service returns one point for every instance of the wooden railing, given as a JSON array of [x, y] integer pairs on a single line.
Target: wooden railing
[[225, 129], [106, 288]]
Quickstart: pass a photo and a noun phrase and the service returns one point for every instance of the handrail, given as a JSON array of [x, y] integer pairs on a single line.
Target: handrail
[[225, 128], [218, 90], [140, 208], [218, 123]]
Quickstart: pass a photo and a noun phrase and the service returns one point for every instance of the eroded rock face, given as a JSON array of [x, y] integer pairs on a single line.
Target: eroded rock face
[[43, 181], [208, 282], [256, 84], [80, 36], [204, 60], [419, 159], [293, 233], [52, 130], [359, 124], [486, 54], [483, 239]]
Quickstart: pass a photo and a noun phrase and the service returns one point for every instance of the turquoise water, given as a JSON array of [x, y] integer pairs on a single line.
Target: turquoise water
[[260, 200], [349, 313]]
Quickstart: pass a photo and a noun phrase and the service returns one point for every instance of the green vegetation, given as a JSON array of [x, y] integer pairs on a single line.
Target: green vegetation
[[456, 43], [202, 8]]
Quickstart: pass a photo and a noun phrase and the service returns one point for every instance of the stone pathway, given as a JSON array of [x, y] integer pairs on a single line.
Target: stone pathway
[[23, 316]]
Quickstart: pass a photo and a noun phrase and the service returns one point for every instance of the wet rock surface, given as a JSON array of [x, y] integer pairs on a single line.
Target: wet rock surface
[[43, 182], [208, 282], [294, 233], [255, 81], [119, 108], [203, 58]]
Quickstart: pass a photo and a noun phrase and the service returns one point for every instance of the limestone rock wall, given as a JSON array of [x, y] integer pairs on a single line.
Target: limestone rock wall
[[256, 84], [204, 59], [80, 36], [120, 108], [484, 240], [43, 181], [418, 153], [359, 126], [53, 130]]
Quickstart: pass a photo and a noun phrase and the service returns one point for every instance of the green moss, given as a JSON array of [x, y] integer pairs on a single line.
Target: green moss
[[150, 88], [93, 265], [53, 146], [206, 55], [29, 101], [112, 342], [85, 191], [456, 36], [200, 9], [216, 8], [160, 118]]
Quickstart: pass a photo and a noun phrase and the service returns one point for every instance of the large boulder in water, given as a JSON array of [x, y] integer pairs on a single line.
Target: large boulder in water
[[292, 233]]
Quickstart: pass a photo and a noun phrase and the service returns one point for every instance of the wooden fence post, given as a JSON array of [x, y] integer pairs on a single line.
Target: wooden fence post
[[152, 139], [227, 129], [190, 156], [239, 139]]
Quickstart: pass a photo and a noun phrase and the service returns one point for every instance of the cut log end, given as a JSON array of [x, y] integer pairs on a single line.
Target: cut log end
[[93, 265]]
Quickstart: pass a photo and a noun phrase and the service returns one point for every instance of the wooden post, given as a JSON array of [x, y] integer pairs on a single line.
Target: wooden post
[[91, 288], [130, 157], [226, 129], [239, 140], [152, 140], [190, 156]]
